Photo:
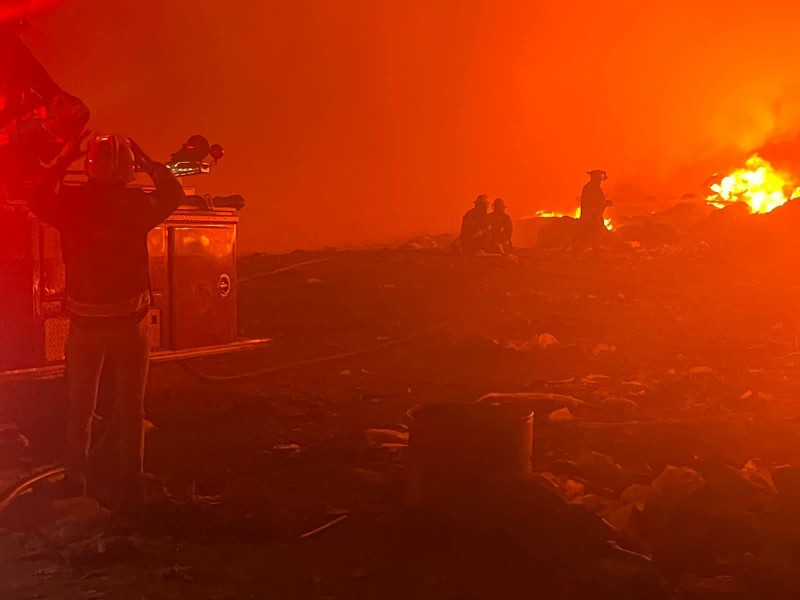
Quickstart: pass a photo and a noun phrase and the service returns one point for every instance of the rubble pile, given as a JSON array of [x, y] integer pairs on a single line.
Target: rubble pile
[[703, 478]]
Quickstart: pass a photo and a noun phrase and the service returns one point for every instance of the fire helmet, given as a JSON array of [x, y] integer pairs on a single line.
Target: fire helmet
[[110, 159]]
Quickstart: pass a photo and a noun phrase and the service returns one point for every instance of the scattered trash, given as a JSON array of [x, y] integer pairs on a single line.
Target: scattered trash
[[284, 450], [422, 242], [48, 572], [381, 437], [541, 342], [600, 349], [595, 378], [677, 481], [700, 370]]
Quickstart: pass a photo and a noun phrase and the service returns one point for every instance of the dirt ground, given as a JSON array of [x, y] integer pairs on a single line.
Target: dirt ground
[[684, 434]]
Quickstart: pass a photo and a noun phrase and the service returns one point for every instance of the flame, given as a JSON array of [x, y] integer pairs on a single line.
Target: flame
[[575, 215], [757, 184]]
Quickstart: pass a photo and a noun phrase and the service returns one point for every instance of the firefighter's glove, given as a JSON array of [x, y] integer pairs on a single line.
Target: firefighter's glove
[[145, 163]]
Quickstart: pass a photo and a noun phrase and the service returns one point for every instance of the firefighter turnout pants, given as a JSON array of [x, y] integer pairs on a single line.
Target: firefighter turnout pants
[[88, 348]]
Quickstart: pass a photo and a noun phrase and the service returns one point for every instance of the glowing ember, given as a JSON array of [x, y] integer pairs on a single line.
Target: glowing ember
[[575, 215], [758, 185]]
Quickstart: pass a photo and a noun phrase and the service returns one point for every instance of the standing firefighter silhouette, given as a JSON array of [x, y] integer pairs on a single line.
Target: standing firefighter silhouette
[[593, 206], [104, 226]]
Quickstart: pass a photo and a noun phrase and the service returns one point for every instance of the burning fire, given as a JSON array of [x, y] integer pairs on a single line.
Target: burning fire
[[757, 184], [575, 215]]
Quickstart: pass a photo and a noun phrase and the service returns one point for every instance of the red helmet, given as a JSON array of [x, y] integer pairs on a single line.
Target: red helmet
[[110, 159]]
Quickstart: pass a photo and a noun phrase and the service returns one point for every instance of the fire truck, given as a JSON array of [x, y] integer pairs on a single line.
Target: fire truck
[[192, 253], [192, 271]]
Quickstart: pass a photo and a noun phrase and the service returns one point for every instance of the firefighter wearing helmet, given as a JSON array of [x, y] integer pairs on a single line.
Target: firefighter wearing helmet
[[475, 227], [593, 206], [104, 225]]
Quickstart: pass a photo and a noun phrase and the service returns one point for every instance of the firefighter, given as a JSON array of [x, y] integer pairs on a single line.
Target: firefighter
[[475, 227], [104, 226], [502, 227], [593, 206]]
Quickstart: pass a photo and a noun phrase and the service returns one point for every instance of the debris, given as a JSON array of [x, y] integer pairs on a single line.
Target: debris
[[678, 481], [600, 349], [759, 476], [540, 342], [101, 550], [79, 511], [561, 415], [700, 370], [313, 281], [48, 572], [12, 443], [177, 573], [422, 242], [638, 495], [380, 437], [595, 378], [594, 503], [284, 449], [600, 468], [619, 407]]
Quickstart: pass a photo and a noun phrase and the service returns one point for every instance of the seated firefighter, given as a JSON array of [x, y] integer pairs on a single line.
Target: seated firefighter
[[104, 226], [501, 227], [475, 234]]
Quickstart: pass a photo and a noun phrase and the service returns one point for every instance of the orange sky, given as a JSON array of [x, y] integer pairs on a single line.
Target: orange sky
[[360, 120]]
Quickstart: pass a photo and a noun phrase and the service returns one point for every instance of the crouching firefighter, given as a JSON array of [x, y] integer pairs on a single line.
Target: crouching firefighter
[[104, 226]]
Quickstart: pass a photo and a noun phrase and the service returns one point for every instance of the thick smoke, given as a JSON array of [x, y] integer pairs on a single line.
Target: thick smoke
[[364, 120]]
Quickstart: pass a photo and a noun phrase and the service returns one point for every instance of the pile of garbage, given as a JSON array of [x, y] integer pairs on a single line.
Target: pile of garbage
[[701, 478]]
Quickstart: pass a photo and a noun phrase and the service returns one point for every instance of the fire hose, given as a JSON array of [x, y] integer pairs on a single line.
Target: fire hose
[[288, 268], [8, 495], [316, 360]]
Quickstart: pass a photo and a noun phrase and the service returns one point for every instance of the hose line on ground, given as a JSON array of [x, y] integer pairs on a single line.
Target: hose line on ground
[[313, 361], [287, 268]]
